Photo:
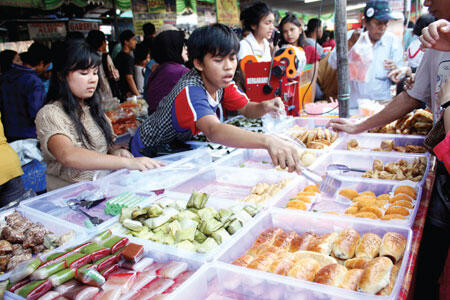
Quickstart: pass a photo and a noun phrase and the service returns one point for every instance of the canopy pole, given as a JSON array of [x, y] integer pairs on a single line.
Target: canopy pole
[[342, 58], [116, 25]]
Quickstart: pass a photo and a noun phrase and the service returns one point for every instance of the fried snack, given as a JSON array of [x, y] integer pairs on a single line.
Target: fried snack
[[419, 122], [415, 149], [381, 203], [377, 165], [306, 199], [308, 194], [353, 145], [400, 197], [401, 149], [296, 204], [384, 197], [348, 193], [351, 210], [368, 246], [368, 215], [393, 246], [401, 170], [387, 145], [351, 279], [397, 210], [406, 189], [311, 188], [367, 193], [406, 204], [363, 197], [375, 210], [392, 217], [357, 263], [304, 268], [366, 203], [316, 138]]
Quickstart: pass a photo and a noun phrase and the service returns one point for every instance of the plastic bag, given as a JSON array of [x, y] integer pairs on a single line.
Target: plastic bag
[[360, 58]]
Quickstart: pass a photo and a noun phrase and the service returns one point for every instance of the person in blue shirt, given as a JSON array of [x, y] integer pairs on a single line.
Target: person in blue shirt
[[387, 54], [22, 93]]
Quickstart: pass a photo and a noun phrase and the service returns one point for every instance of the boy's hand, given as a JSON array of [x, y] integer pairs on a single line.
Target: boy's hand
[[345, 126], [436, 36], [274, 106], [283, 154]]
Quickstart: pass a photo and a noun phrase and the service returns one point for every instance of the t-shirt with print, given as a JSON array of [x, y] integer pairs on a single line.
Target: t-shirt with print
[[178, 112], [125, 64], [432, 72]]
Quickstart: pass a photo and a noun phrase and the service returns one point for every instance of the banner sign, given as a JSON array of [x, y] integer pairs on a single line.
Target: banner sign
[[83, 26], [42, 31], [227, 12]]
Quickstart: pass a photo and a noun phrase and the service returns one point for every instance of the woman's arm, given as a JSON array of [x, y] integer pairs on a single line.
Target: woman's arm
[[75, 157]]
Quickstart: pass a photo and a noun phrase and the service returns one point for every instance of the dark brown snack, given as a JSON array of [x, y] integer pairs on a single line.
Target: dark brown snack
[[5, 247], [13, 235]]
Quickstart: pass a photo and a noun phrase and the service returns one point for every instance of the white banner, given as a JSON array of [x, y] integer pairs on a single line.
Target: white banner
[[51, 30]]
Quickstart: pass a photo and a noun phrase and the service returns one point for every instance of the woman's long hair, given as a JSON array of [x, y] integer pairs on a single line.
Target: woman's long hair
[[77, 55], [290, 18]]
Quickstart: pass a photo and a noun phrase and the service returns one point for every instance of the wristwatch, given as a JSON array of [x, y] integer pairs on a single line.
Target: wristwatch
[[445, 105]]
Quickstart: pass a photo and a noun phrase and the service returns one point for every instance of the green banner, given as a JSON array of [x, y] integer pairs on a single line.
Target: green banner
[[186, 7], [22, 3]]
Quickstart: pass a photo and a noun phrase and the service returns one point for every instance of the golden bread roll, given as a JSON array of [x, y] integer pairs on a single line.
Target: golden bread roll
[[376, 275], [338, 260], [393, 246], [406, 189], [403, 203], [323, 244], [351, 279], [369, 246], [305, 269], [333, 275], [388, 289], [282, 265], [311, 188], [392, 217], [265, 238], [283, 240], [367, 193], [351, 210], [322, 259], [397, 210], [345, 244], [377, 211], [357, 263], [243, 261], [368, 215], [302, 241], [348, 193], [401, 197], [263, 261]]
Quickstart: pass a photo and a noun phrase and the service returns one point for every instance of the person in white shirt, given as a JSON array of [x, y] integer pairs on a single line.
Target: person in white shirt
[[387, 55], [258, 19], [141, 58]]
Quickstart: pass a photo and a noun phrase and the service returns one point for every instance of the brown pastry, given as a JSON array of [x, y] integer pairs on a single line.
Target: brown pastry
[[376, 275], [302, 241], [324, 244], [387, 145], [388, 289], [392, 217], [406, 189], [415, 149], [353, 145], [368, 215], [369, 246], [393, 246], [367, 193], [345, 244], [322, 259], [305, 269], [348, 193], [243, 261], [372, 209], [333, 275], [282, 265], [283, 240], [400, 197], [377, 165], [265, 238], [406, 204], [384, 197], [397, 210], [263, 261], [351, 279], [401, 149], [351, 210], [357, 263]]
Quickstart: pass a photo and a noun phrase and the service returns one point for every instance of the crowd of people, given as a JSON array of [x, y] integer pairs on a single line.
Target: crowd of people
[[58, 95]]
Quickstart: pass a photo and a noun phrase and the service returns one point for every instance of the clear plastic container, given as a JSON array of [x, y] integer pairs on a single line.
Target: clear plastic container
[[338, 204], [250, 128], [216, 151], [254, 158], [320, 224], [200, 257], [52, 224], [234, 183], [54, 204], [370, 141], [364, 160], [217, 279]]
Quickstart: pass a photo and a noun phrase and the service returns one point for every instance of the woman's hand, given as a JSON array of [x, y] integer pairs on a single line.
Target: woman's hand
[[143, 163], [274, 106], [283, 154], [436, 36], [122, 153]]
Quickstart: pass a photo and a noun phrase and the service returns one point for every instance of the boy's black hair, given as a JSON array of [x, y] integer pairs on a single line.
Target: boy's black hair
[[217, 39], [126, 36], [423, 22], [149, 29], [95, 39], [74, 35], [313, 25], [6, 58], [140, 53], [253, 14], [35, 54]]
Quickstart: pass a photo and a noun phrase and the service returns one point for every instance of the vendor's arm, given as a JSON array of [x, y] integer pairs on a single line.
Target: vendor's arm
[[259, 109], [71, 156], [397, 108], [282, 153]]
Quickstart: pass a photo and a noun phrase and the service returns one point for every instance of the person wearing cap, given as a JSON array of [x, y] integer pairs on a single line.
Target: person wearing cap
[[432, 76], [387, 54]]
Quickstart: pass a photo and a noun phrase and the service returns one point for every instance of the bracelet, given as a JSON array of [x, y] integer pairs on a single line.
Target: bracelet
[[445, 105]]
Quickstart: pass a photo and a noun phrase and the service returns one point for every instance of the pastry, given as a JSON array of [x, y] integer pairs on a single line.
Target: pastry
[[406, 189], [376, 275], [388, 289], [263, 261], [351, 210], [333, 275], [324, 244], [368, 215], [305, 269], [265, 238], [372, 209], [348, 193], [406, 204], [392, 217], [345, 244], [393, 246], [353, 145], [283, 240], [297, 204], [367, 202], [322, 259], [387, 145], [377, 165], [401, 149], [311, 188], [384, 197], [357, 263], [243, 261], [282, 265], [400, 197], [369, 246], [351, 279], [301, 242], [397, 210], [367, 193]]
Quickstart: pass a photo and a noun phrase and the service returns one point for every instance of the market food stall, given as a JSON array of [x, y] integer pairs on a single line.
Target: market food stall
[[232, 227]]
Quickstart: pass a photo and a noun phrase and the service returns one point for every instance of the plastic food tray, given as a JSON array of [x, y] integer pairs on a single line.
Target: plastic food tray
[[200, 257], [211, 148], [364, 160], [230, 281], [52, 224], [251, 128], [54, 204], [281, 124], [234, 183], [180, 167], [339, 204], [319, 224], [254, 158], [369, 141], [149, 251]]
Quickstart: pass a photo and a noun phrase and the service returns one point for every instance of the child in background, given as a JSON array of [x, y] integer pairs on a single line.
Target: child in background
[[141, 58], [191, 106]]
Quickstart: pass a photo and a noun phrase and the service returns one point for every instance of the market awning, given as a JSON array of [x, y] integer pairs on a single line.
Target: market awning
[[53, 4]]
